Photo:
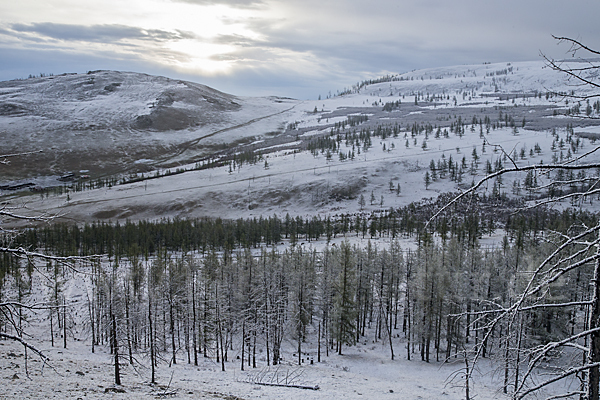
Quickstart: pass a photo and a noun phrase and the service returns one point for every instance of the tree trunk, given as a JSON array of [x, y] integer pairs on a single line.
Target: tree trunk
[[407, 322], [194, 322], [91, 311], [243, 342], [115, 348], [128, 320], [64, 323], [518, 354], [388, 324], [254, 351], [593, 322], [172, 328], [52, 328], [151, 340], [506, 361]]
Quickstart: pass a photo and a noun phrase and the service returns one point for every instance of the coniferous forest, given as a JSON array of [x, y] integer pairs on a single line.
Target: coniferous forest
[[172, 291]]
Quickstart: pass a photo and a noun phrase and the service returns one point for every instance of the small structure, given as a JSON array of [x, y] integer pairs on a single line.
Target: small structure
[[67, 177]]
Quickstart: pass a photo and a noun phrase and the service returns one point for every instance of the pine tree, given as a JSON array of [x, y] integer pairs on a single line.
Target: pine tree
[[344, 312], [361, 201]]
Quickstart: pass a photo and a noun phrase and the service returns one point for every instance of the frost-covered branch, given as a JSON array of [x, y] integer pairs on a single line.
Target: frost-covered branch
[[561, 198], [37, 306], [568, 372], [556, 305], [569, 166], [543, 351], [25, 344], [22, 252], [576, 45], [566, 395], [583, 76], [37, 218]]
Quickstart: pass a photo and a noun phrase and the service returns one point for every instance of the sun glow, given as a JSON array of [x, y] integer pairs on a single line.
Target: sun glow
[[204, 52], [200, 57], [177, 34]]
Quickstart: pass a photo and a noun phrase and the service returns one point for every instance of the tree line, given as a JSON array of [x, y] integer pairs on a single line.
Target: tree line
[[468, 220]]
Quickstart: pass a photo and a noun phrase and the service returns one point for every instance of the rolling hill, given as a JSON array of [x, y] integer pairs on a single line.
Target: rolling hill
[[108, 122], [212, 154]]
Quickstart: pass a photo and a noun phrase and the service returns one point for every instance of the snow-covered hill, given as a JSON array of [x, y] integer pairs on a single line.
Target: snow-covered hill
[[499, 78], [106, 121], [500, 107]]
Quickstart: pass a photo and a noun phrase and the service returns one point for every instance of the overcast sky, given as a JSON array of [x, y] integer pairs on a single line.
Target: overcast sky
[[294, 48]]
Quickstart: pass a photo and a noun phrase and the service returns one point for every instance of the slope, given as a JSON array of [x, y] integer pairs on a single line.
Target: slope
[[105, 121]]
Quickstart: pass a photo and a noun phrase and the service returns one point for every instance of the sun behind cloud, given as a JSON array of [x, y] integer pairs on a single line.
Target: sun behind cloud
[[173, 34]]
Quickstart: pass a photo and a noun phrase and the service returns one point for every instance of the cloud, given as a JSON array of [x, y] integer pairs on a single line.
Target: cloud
[[110, 33], [246, 4], [235, 40], [117, 41], [311, 46]]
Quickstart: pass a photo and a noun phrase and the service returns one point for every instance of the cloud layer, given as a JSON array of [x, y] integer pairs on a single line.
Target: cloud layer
[[98, 33], [292, 47]]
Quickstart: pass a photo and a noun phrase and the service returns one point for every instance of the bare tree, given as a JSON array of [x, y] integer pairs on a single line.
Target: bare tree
[[12, 311], [568, 255], [12, 219], [582, 72]]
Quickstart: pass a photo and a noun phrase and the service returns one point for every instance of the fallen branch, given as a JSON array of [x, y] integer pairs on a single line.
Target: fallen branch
[[316, 387], [279, 378]]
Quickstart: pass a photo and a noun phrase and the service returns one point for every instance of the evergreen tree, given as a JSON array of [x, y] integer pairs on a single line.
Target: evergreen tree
[[344, 312]]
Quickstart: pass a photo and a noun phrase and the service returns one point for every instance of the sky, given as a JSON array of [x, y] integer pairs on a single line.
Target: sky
[[290, 48]]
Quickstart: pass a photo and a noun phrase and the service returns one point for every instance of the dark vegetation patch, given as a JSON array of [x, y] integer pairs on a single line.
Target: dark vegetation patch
[[112, 87], [166, 119], [348, 190], [588, 135], [468, 220], [10, 109]]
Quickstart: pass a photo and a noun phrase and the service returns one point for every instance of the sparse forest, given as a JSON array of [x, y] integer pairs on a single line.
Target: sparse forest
[[460, 278], [173, 291], [174, 306]]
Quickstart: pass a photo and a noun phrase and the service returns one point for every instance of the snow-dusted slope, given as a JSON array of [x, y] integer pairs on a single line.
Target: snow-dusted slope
[[107, 99], [517, 77], [105, 121], [293, 180]]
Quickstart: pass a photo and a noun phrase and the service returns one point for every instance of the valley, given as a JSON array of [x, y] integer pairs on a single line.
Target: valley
[[508, 113], [195, 244]]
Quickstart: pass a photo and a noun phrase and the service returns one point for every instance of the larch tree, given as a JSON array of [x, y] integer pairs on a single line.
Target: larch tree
[[17, 258], [550, 323], [344, 311]]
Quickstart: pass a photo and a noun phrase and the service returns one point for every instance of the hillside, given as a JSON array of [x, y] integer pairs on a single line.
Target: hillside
[[352, 298], [107, 122], [468, 115]]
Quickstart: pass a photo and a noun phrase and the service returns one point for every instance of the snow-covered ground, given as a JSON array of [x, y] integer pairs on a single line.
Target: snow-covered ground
[[294, 181], [363, 372], [299, 183]]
